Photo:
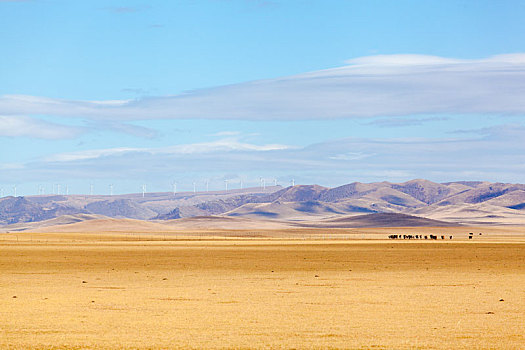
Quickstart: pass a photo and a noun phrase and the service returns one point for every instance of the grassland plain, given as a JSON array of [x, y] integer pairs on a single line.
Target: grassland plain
[[67, 291]]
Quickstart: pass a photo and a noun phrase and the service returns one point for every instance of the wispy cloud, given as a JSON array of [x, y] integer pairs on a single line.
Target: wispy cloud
[[376, 86], [126, 128], [224, 145], [403, 122], [22, 126], [11, 166], [226, 133], [511, 132], [350, 156], [496, 153]]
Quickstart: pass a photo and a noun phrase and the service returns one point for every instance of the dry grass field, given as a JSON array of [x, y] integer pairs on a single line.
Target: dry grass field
[[131, 291]]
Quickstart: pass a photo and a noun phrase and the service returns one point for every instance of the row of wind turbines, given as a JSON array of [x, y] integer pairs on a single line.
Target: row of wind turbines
[[57, 188], [41, 190], [262, 185]]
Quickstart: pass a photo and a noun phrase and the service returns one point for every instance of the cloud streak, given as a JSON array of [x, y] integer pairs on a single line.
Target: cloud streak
[[392, 85], [219, 146], [496, 154], [22, 126], [403, 122]]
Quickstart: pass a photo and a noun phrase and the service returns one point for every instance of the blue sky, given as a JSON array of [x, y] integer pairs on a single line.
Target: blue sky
[[327, 92]]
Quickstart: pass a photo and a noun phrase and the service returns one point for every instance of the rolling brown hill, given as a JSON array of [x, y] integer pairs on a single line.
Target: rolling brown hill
[[461, 202], [211, 223], [380, 220]]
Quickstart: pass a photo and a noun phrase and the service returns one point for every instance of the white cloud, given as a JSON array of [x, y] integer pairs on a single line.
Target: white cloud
[[89, 154], [397, 122], [226, 133], [224, 145], [22, 126], [11, 166], [388, 85], [130, 129], [402, 60], [494, 154], [350, 156]]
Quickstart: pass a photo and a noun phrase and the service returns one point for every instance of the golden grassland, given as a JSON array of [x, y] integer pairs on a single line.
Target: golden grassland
[[289, 289]]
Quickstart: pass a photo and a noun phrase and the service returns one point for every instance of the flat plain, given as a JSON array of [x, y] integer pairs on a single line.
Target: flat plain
[[267, 289]]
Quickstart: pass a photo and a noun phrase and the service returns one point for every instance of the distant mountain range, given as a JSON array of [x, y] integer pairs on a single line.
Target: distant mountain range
[[432, 204]]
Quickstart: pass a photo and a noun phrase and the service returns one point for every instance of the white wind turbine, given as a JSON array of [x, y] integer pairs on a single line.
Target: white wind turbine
[[207, 185], [293, 182], [143, 190], [174, 188], [111, 189], [14, 190], [226, 184], [194, 188]]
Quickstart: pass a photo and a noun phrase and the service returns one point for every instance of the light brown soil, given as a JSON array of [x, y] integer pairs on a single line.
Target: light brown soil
[[86, 291]]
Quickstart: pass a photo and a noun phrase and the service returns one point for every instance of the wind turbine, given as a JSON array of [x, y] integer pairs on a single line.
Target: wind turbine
[[260, 181], [241, 184], [293, 182], [111, 190], [58, 188], [226, 184], [174, 188], [275, 182], [143, 190], [67, 190], [14, 189], [207, 185], [194, 189]]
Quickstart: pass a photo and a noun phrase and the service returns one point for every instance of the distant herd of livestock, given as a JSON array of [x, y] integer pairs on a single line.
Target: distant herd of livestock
[[470, 235]]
